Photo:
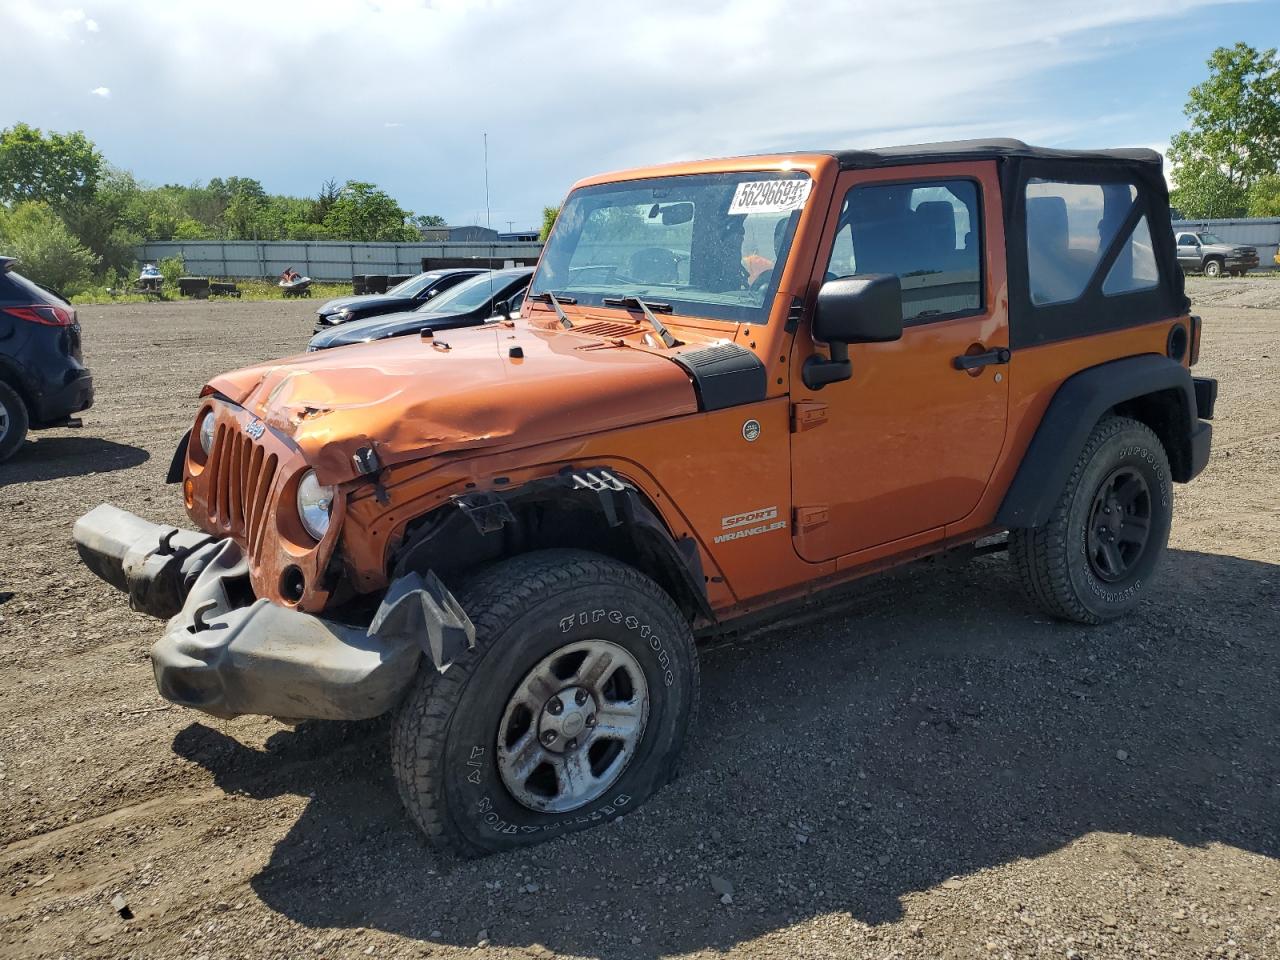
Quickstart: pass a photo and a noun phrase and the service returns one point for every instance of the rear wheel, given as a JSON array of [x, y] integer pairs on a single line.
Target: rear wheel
[[1213, 268], [570, 710], [1092, 560], [13, 421]]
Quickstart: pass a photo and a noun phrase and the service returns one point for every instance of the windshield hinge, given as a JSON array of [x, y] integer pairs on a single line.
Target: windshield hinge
[[794, 315], [806, 414]]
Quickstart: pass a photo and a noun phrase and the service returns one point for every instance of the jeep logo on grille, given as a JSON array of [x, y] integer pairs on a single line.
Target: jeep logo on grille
[[255, 428]]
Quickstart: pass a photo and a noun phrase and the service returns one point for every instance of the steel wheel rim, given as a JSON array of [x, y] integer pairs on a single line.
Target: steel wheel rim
[[4, 421], [572, 726], [1119, 524]]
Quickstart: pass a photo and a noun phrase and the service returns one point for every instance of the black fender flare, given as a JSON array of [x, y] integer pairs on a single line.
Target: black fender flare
[[177, 466], [1079, 403], [680, 556]]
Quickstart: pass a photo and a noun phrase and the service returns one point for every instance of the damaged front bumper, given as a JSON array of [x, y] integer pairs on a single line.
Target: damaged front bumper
[[227, 653]]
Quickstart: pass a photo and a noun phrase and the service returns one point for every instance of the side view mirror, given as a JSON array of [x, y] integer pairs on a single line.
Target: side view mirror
[[860, 309]]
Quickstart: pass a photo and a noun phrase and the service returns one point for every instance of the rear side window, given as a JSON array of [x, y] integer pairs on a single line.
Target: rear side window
[[1091, 248], [1069, 228], [927, 233], [1135, 267], [17, 289]]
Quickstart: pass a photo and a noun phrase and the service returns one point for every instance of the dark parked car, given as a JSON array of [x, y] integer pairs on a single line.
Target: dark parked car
[[43, 380], [409, 295], [1213, 255], [472, 302]]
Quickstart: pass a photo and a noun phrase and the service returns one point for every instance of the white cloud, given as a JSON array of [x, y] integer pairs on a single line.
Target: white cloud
[[42, 21], [103, 92], [565, 90]]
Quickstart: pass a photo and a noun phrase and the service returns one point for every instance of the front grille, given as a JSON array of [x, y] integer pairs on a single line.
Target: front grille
[[241, 475]]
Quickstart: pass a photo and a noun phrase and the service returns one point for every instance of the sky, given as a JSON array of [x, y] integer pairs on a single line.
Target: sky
[[402, 93]]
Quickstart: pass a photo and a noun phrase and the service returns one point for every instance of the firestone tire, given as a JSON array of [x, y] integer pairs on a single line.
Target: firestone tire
[[1083, 564], [13, 421], [451, 740]]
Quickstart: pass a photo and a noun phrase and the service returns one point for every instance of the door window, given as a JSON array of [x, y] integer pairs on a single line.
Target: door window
[[927, 233]]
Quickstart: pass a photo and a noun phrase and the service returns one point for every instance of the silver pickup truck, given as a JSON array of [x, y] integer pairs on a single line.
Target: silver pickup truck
[[1211, 254]]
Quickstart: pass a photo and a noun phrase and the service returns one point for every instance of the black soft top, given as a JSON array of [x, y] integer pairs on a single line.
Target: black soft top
[[953, 150]]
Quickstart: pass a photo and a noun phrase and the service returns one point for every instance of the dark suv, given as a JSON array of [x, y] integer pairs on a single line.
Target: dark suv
[[479, 298], [43, 380], [413, 294]]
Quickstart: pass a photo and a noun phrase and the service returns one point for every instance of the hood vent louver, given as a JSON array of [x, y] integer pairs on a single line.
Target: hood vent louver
[[606, 328]]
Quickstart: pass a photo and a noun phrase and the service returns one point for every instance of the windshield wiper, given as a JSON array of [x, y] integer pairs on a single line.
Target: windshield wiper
[[548, 297], [647, 309]]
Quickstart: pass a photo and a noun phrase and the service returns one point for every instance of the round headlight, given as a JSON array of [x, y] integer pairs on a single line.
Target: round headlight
[[315, 503], [206, 433]]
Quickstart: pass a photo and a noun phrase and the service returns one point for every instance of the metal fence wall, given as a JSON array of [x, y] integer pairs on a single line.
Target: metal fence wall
[[322, 259], [1260, 232]]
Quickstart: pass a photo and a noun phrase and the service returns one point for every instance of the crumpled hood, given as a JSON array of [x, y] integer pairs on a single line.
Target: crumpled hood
[[411, 397]]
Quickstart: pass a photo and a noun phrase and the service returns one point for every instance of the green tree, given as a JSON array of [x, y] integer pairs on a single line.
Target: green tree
[[59, 169], [241, 219], [1264, 197], [47, 250], [325, 199], [427, 220], [549, 215], [189, 228], [1234, 135], [101, 224], [363, 212]]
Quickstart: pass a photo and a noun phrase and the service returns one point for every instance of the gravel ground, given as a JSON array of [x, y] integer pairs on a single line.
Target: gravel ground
[[926, 769]]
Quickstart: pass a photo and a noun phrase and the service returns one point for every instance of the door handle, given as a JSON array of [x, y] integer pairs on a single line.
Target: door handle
[[975, 361]]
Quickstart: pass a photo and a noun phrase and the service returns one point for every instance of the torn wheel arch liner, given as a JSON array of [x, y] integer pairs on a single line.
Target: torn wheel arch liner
[[495, 513]]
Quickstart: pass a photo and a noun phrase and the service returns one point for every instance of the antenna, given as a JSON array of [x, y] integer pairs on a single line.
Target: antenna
[[486, 181], [487, 224]]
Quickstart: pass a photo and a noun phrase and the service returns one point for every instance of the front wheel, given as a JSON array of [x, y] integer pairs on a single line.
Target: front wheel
[[1092, 559], [570, 710], [1213, 268]]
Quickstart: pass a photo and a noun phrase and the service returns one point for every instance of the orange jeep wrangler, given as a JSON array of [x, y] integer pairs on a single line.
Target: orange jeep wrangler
[[735, 383]]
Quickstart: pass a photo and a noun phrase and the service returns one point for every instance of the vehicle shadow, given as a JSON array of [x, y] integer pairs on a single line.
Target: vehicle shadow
[[928, 730], [53, 458]]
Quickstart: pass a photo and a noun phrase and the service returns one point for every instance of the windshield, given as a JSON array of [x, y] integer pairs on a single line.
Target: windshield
[[1211, 238], [468, 295], [414, 285], [707, 245]]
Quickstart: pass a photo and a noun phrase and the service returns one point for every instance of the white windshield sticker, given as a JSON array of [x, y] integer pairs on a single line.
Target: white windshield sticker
[[770, 196]]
